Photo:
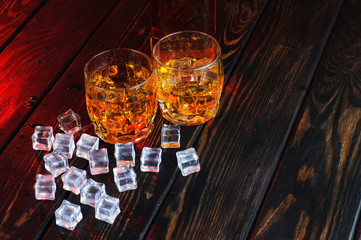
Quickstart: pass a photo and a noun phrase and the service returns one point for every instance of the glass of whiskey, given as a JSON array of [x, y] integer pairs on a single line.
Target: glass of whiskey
[[190, 77], [121, 95]]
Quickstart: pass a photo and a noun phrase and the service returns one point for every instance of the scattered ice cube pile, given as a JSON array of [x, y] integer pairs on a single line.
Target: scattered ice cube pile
[[93, 193]]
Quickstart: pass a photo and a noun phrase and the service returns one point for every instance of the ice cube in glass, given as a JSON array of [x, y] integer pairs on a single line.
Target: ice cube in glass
[[150, 159], [125, 178], [56, 163], [68, 215], [85, 144], [64, 142], [107, 208], [170, 136], [91, 192], [45, 187], [69, 122], [98, 161], [124, 154], [74, 179], [188, 161], [43, 138]]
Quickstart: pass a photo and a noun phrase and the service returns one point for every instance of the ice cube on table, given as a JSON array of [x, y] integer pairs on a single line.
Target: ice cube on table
[[170, 136], [43, 138], [98, 161], [45, 187], [64, 142], [69, 122], [68, 215], [125, 178], [150, 159], [91, 192], [74, 179], [85, 144], [124, 154], [56, 163], [188, 161], [107, 208]]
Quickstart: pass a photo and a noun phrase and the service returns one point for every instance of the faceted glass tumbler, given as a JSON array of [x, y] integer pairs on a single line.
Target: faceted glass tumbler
[[107, 208], [121, 97], [68, 215], [45, 187]]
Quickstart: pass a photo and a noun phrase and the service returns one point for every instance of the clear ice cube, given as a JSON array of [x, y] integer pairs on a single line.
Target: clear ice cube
[[91, 192], [98, 161], [64, 142], [56, 163], [124, 154], [69, 122], [43, 138], [74, 179], [107, 208], [125, 178], [170, 136], [45, 187], [188, 161], [150, 159], [85, 144], [68, 215]]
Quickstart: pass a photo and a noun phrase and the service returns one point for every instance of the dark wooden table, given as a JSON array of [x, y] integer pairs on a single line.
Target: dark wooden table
[[281, 160]]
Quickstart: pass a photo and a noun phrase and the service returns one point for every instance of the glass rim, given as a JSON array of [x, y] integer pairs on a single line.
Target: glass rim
[[188, 31], [117, 50]]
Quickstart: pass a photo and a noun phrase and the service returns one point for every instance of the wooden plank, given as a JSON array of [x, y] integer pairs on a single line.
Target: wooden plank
[[13, 17], [258, 109], [316, 194], [137, 206], [32, 62]]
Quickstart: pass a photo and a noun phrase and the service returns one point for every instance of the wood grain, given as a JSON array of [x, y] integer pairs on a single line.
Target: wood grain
[[33, 61], [13, 17], [321, 168], [240, 149]]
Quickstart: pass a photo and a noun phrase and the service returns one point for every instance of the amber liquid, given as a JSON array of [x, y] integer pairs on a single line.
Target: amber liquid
[[189, 97], [121, 103]]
